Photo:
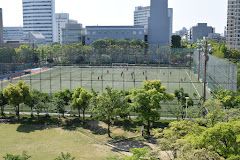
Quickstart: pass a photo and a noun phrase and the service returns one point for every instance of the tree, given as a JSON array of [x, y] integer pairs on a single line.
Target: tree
[[229, 99], [81, 99], [221, 138], [62, 99], [176, 41], [26, 54], [125, 110], [107, 106], [147, 102], [3, 102], [65, 95], [59, 106], [177, 130], [7, 55], [182, 101], [43, 104], [34, 100], [17, 94], [66, 156]]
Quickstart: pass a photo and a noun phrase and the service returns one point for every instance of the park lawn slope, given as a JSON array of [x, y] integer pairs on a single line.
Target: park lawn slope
[[47, 144]]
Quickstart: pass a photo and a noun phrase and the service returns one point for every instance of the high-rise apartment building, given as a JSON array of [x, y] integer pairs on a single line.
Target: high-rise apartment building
[[39, 16], [1, 27], [142, 15], [233, 24], [158, 25], [61, 20]]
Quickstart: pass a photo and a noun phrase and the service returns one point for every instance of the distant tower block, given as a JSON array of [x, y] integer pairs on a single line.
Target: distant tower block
[[159, 26], [1, 28]]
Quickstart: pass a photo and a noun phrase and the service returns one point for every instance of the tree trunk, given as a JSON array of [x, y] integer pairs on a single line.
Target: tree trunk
[[31, 111], [148, 127], [83, 114], [79, 113], [183, 113], [2, 111], [109, 131], [17, 112]]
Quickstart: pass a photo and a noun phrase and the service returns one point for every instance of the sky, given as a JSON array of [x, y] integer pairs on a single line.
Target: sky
[[187, 13]]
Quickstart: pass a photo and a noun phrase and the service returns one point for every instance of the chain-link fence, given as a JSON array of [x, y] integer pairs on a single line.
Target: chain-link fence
[[101, 68], [125, 69], [220, 73]]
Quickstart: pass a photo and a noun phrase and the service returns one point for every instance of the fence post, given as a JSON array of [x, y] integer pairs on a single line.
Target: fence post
[[70, 77], [60, 77], [50, 75], [40, 76]]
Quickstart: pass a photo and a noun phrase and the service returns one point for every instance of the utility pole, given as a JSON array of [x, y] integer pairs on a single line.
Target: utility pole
[[199, 63], [206, 58]]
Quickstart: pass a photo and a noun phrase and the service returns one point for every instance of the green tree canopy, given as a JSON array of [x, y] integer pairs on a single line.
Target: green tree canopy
[[81, 99], [176, 41], [3, 102], [17, 94], [147, 102], [107, 106]]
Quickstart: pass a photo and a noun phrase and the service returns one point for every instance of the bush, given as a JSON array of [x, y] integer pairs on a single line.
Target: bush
[[234, 157], [198, 154], [177, 130], [221, 139], [66, 156], [24, 156]]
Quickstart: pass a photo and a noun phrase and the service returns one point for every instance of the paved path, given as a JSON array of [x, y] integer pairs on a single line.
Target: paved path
[[69, 115]]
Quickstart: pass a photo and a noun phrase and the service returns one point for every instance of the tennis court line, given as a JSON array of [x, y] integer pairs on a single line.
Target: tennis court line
[[193, 83]]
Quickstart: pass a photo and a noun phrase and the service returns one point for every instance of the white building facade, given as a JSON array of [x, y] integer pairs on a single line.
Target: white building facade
[[233, 24], [39, 16], [142, 15]]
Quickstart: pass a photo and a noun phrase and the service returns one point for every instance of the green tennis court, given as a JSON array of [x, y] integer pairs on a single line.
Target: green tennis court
[[117, 77]]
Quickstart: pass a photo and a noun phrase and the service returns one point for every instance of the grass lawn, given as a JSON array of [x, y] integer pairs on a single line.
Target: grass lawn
[[47, 143]]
